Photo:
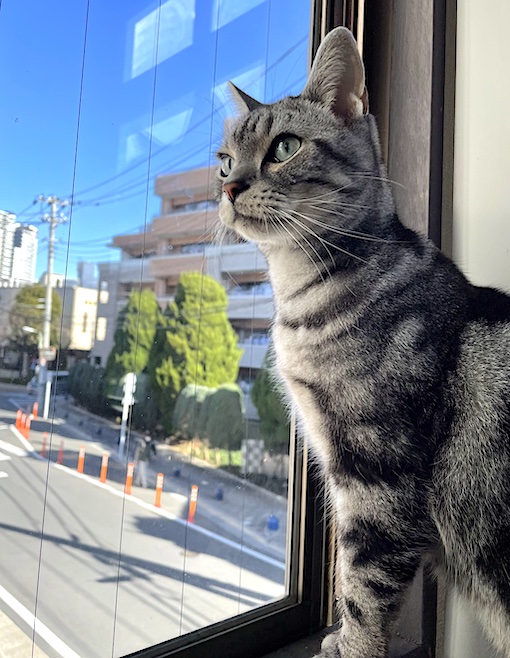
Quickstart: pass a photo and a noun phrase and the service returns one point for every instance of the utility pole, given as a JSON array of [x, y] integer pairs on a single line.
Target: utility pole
[[54, 217]]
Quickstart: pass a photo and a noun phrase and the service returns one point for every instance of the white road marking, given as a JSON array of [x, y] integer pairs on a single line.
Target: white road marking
[[14, 450], [28, 446], [172, 517], [36, 624], [4, 458], [3, 474]]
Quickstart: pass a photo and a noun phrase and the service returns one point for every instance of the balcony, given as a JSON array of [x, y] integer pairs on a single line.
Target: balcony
[[250, 306], [253, 355], [236, 258], [134, 271], [179, 226], [195, 185], [165, 267]]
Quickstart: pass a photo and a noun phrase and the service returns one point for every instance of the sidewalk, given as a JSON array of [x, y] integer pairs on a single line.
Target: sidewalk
[[14, 643]]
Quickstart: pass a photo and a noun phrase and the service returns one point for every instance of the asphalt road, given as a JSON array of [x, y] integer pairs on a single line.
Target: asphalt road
[[107, 574]]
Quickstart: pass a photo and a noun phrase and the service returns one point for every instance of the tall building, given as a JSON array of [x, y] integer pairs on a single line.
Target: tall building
[[7, 229], [24, 254], [18, 251]]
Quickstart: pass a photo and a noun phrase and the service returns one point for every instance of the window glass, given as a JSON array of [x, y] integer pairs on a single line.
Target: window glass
[[144, 475]]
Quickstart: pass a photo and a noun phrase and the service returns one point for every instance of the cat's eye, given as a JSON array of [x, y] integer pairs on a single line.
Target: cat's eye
[[285, 148], [226, 166]]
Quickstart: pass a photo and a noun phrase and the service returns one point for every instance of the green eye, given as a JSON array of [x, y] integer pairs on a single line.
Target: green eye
[[286, 147], [226, 166]]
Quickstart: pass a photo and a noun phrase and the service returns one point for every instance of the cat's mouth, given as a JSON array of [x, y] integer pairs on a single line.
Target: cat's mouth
[[247, 226]]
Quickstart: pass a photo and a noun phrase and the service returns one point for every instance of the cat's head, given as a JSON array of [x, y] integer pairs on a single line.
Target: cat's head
[[288, 170]]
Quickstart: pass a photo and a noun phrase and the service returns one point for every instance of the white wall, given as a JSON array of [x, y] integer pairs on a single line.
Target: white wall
[[481, 207], [481, 225]]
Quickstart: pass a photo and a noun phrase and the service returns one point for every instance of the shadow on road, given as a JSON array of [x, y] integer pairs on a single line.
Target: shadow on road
[[131, 567]]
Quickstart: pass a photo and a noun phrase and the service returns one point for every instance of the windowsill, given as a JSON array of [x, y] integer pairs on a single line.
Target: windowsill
[[310, 646], [305, 648]]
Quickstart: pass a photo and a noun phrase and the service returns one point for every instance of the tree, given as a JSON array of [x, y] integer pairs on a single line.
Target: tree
[[134, 337], [196, 345], [212, 414], [224, 425], [268, 397], [213, 356], [28, 311], [164, 369], [87, 385], [188, 418]]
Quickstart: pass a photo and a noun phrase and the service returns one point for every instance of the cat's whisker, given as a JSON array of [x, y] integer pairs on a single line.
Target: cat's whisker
[[296, 221], [336, 203], [324, 241], [347, 232], [336, 190], [370, 176], [282, 224]]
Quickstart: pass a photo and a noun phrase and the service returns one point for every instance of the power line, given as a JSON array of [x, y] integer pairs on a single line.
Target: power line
[[196, 125]]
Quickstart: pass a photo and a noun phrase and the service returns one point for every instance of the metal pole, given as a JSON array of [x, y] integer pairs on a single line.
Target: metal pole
[[49, 273], [43, 388]]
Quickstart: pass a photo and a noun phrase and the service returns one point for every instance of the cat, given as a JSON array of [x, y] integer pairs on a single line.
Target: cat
[[398, 367]]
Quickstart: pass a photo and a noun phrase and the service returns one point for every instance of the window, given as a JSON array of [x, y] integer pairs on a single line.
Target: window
[[230, 548], [101, 328], [145, 102]]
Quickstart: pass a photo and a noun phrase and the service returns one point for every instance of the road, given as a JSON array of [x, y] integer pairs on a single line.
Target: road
[[106, 574]]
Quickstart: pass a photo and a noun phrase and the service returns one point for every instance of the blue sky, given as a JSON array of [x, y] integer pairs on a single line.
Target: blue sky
[[62, 131]]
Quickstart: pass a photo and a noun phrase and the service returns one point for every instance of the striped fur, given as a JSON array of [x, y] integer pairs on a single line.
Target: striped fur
[[398, 367]]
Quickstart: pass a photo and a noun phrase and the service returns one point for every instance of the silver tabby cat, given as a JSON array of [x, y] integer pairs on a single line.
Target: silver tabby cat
[[398, 367]]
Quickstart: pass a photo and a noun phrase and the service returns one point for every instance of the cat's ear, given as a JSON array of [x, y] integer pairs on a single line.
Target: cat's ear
[[243, 102], [337, 78]]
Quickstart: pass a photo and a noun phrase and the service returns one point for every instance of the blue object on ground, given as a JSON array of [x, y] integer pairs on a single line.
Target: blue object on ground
[[272, 522]]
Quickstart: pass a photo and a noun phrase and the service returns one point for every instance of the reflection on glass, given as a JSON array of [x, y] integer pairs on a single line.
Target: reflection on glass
[[161, 34], [144, 486]]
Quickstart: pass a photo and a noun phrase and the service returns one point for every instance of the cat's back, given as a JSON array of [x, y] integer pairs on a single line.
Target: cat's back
[[484, 358]]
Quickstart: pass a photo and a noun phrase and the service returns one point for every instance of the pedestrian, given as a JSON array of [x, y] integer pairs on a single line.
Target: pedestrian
[[141, 457]]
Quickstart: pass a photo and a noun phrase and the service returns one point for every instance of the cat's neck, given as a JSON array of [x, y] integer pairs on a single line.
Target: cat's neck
[[349, 261], [292, 271]]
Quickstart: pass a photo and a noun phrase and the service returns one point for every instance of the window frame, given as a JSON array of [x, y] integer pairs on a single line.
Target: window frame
[[310, 604]]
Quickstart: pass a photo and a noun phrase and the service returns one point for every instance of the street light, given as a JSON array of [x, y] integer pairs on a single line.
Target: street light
[[30, 330]]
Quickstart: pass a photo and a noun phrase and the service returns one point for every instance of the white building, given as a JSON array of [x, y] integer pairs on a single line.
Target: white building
[[24, 254], [7, 229]]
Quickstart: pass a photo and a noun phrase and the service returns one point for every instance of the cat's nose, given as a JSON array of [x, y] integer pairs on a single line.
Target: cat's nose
[[233, 189]]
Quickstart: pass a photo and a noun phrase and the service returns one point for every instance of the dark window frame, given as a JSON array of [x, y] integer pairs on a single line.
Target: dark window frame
[[310, 605]]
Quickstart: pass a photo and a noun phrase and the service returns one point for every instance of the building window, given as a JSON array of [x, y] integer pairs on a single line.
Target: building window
[[101, 329]]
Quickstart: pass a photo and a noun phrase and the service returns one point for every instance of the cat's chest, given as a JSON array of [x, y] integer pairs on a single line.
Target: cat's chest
[[329, 360], [322, 377]]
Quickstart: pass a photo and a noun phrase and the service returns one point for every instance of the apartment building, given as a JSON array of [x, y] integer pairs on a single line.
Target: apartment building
[[24, 254], [7, 228], [182, 239], [18, 251]]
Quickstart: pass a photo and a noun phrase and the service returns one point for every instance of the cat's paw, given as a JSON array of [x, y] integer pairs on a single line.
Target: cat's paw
[[329, 647]]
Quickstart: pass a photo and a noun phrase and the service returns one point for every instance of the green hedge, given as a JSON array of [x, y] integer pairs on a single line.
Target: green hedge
[[211, 414]]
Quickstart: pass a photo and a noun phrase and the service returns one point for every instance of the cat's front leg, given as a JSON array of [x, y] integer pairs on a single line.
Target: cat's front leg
[[378, 556]]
